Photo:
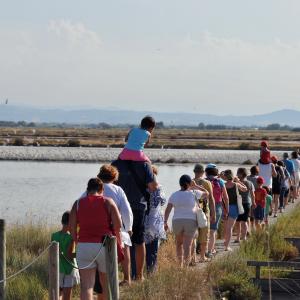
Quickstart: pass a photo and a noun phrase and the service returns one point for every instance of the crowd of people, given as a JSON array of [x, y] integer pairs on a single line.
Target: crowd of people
[[126, 200]]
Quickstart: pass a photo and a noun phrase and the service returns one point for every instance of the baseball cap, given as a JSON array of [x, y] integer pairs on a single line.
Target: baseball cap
[[210, 166], [260, 180], [274, 159]]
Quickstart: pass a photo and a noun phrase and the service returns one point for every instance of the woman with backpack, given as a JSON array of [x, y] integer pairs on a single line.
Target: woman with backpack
[[221, 204]]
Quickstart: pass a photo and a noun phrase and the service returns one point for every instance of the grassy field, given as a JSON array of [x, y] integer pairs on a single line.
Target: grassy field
[[168, 138], [224, 277], [230, 277]]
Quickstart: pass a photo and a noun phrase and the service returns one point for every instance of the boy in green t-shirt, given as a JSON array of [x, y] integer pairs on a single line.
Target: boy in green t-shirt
[[268, 205], [68, 275]]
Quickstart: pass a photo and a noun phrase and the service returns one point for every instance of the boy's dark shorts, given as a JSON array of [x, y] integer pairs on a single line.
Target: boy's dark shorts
[[138, 227]]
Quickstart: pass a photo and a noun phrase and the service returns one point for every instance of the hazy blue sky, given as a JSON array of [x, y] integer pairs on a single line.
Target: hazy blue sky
[[213, 56]]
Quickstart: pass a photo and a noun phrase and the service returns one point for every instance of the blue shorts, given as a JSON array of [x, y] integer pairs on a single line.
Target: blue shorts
[[215, 226], [233, 211], [259, 213]]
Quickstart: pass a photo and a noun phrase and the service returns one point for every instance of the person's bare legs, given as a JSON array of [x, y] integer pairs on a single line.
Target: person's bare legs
[[102, 279], [238, 230], [126, 264], [179, 248], [187, 246], [203, 250], [140, 255], [212, 240], [229, 225], [257, 225], [244, 230], [276, 202], [87, 281], [67, 293]]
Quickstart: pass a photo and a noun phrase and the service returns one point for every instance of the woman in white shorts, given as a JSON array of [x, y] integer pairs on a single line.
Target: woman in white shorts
[[96, 216], [184, 221]]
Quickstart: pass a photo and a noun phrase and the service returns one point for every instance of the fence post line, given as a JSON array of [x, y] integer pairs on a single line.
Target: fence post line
[[2, 258], [111, 259], [54, 271]]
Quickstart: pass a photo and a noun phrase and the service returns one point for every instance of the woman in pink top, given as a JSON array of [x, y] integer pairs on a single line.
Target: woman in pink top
[[96, 216]]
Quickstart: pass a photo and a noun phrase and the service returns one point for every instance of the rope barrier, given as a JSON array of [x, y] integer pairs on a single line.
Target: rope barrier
[[26, 267], [90, 264], [43, 252]]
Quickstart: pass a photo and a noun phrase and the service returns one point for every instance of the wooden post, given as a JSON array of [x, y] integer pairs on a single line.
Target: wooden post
[[54, 271], [257, 273], [111, 259], [2, 258]]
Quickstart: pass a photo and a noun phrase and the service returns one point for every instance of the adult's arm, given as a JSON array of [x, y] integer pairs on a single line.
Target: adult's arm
[[115, 217], [252, 194], [73, 222], [212, 204], [150, 178], [241, 187], [225, 198], [274, 173], [167, 213], [125, 211]]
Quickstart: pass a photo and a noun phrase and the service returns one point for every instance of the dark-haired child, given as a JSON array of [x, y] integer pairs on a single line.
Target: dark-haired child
[[137, 139], [68, 275], [265, 153], [260, 203]]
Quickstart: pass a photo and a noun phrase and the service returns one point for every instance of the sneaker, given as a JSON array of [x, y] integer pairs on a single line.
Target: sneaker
[[275, 215], [228, 249]]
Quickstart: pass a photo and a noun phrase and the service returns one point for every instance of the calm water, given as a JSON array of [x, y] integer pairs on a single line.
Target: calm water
[[41, 191]]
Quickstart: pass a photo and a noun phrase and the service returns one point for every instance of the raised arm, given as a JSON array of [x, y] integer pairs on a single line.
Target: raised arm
[[274, 173]]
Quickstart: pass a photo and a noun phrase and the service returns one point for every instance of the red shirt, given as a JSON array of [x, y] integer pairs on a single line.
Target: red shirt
[[260, 197], [93, 219]]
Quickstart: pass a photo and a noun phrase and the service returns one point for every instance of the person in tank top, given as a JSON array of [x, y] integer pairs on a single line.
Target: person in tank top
[[96, 216]]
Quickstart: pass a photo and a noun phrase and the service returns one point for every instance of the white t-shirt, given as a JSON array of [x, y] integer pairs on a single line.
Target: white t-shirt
[[265, 171], [184, 204]]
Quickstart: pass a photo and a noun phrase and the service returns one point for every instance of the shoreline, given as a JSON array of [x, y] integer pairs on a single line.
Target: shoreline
[[95, 155]]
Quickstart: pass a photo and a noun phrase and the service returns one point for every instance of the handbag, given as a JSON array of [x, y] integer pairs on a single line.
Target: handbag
[[200, 215], [239, 201]]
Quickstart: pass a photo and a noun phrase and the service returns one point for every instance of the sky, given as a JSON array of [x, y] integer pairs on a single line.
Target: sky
[[220, 57]]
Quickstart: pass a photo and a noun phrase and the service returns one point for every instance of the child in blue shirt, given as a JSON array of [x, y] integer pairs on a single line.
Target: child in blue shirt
[[137, 139]]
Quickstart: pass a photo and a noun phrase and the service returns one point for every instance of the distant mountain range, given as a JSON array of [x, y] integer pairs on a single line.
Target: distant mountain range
[[113, 117]]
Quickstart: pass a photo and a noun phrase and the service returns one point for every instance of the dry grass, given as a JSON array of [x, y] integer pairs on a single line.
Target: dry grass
[[170, 281], [230, 276], [172, 138]]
